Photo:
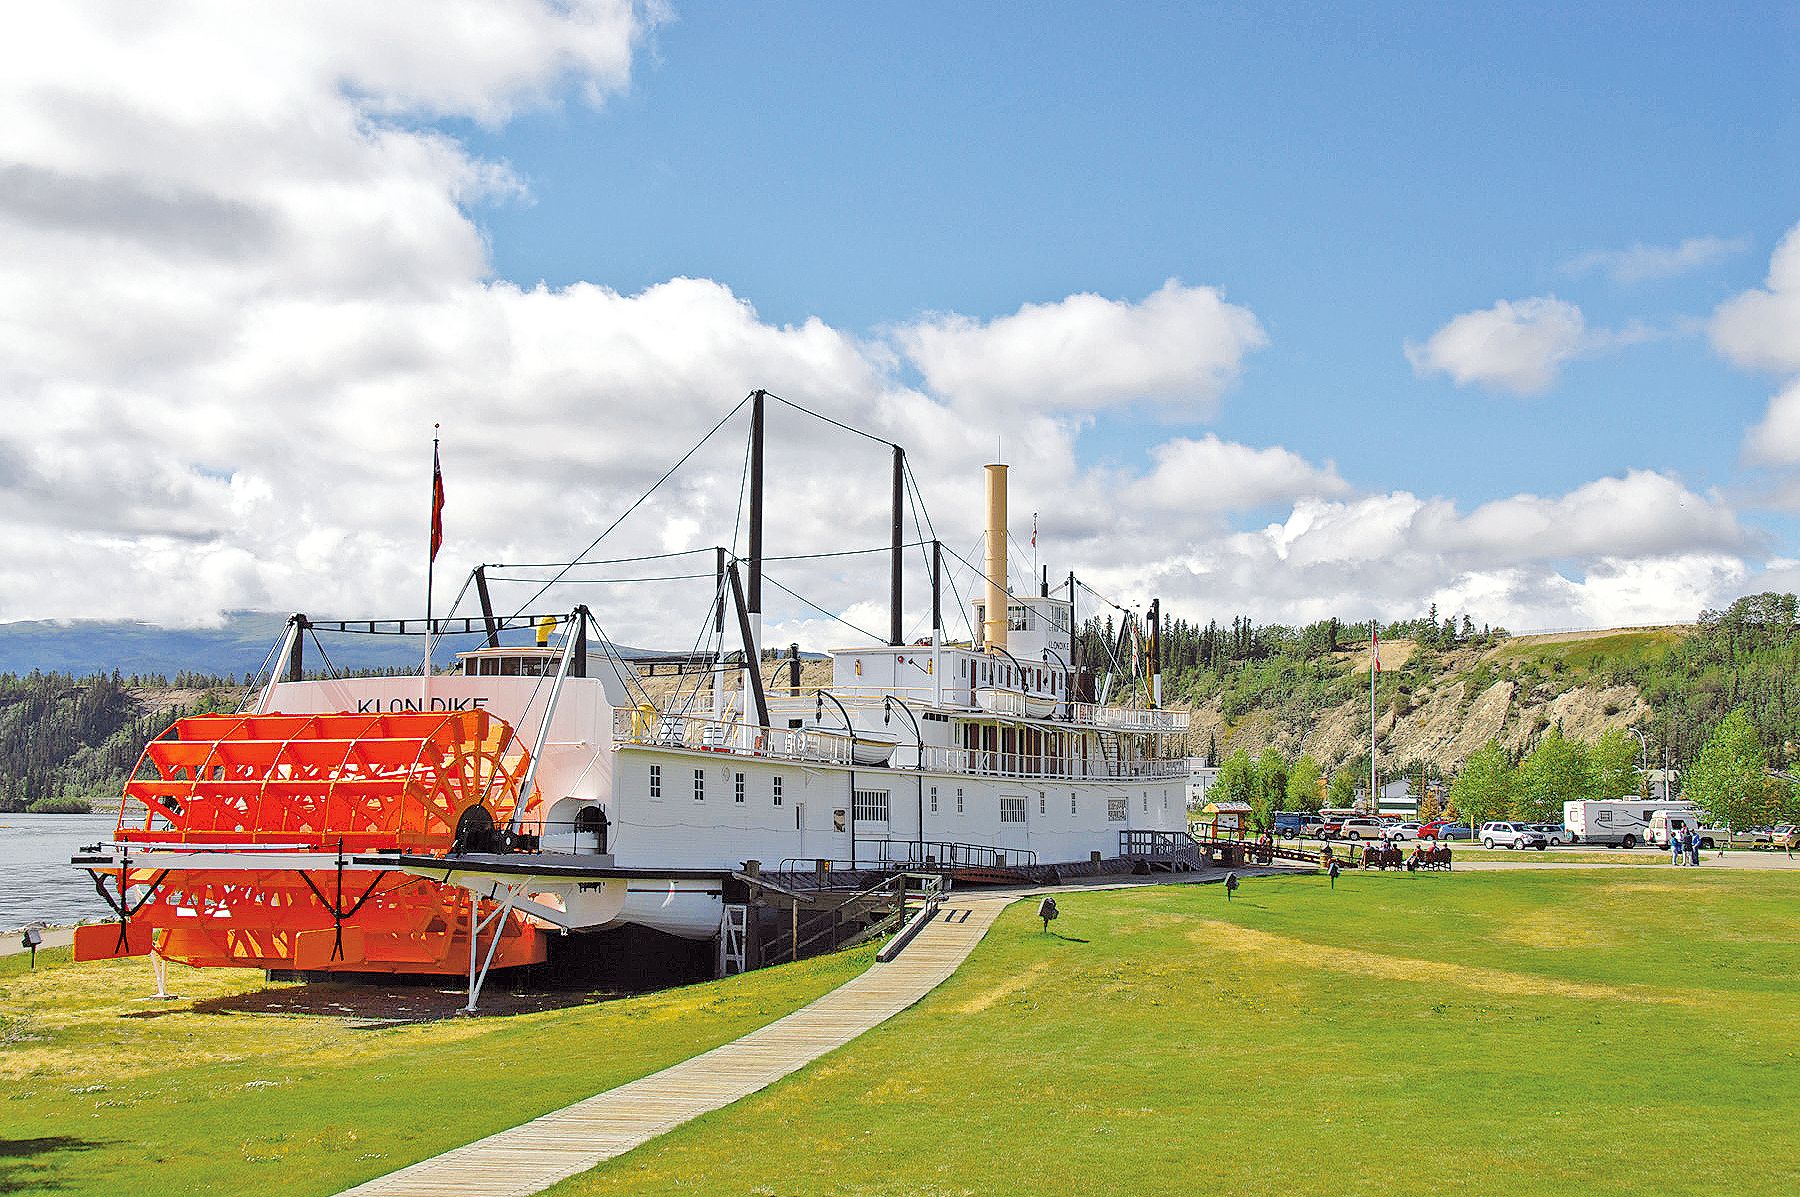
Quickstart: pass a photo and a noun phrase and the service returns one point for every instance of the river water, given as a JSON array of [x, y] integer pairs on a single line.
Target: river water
[[37, 883]]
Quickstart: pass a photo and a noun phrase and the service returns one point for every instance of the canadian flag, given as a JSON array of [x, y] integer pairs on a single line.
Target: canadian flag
[[437, 503]]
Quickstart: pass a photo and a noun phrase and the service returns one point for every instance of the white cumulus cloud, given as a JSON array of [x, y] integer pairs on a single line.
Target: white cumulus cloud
[[1760, 330], [1179, 345], [1518, 346]]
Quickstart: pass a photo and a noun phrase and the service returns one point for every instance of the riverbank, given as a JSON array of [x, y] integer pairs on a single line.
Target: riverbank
[[40, 885]]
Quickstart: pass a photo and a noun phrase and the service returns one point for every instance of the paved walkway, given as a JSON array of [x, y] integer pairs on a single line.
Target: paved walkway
[[54, 937], [535, 1155]]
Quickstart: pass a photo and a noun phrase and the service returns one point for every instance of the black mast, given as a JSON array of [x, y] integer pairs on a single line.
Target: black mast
[[895, 633]]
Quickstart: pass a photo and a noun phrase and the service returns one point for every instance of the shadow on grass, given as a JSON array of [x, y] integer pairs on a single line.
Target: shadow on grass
[[377, 1006], [29, 1165], [1067, 938]]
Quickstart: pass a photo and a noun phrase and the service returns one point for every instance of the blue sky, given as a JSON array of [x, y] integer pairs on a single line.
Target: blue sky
[[1354, 174], [1281, 310]]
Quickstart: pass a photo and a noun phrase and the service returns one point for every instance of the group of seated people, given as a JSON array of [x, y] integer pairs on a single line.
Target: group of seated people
[[1388, 855]]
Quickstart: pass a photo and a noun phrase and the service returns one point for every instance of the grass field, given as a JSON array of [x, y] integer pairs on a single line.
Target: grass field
[[1586, 653], [233, 1090], [1605, 1031]]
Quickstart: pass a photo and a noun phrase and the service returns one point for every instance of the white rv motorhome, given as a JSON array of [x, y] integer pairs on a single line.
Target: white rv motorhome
[[1620, 822], [1665, 822]]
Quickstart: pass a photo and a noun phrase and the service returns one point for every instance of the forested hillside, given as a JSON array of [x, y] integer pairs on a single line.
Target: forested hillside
[[64, 739], [1449, 685]]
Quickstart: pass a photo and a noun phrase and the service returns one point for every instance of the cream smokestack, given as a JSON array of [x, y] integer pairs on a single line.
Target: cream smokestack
[[993, 627]]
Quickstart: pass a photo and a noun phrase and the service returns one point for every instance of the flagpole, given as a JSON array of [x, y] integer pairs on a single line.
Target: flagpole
[[430, 565]]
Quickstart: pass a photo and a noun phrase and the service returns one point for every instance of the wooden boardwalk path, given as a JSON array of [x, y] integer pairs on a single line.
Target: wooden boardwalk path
[[535, 1155]]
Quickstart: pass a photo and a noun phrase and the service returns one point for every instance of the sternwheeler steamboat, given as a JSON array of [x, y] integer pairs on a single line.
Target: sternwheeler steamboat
[[546, 790]]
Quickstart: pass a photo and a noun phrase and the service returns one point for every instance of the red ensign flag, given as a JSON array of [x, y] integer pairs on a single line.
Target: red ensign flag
[[1375, 648], [437, 503]]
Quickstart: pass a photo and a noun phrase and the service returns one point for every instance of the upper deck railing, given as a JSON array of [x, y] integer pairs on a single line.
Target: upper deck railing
[[1011, 704], [838, 748]]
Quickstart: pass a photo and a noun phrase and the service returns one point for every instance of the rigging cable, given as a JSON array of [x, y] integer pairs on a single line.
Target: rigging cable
[[635, 504]]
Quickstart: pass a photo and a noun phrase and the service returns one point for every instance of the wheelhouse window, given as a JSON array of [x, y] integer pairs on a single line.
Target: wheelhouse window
[[775, 789], [959, 800], [737, 789], [1012, 808], [699, 785], [1115, 810], [934, 809], [656, 783]]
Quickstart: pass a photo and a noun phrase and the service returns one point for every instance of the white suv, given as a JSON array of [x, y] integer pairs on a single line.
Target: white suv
[[1513, 835], [1360, 827]]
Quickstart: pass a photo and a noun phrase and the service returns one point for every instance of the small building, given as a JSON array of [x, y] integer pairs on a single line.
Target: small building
[[1201, 778], [1224, 819], [1394, 798]]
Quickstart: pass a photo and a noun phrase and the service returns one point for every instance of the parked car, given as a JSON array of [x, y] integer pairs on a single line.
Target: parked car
[[1405, 830], [1556, 833], [1356, 827], [1444, 829], [1785, 835], [1752, 837], [1512, 835], [1291, 824]]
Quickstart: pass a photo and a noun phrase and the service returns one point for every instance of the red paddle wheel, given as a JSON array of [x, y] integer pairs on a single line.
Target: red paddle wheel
[[247, 830]]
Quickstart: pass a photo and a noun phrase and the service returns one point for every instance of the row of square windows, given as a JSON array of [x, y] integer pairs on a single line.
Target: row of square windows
[[1012, 807]]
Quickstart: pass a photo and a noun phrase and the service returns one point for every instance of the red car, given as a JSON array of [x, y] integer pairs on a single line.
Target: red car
[[1445, 829]]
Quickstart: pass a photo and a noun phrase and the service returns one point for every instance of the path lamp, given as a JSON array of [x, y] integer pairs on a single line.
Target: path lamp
[[1644, 756]]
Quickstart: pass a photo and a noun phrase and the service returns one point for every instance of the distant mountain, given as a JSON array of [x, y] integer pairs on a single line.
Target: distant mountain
[[237, 647]]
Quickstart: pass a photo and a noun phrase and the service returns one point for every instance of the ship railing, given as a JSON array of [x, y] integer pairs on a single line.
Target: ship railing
[[945, 854], [939, 759], [663, 730], [1007, 704], [1138, 719]]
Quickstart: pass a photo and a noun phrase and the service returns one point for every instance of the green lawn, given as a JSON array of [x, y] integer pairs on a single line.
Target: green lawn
[[104, 1092], [1593, 1032], [1621, 650]]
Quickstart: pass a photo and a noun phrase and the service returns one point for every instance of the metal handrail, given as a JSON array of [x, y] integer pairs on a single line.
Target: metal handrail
[[694, 732], [955, 855], [1088, 714]]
